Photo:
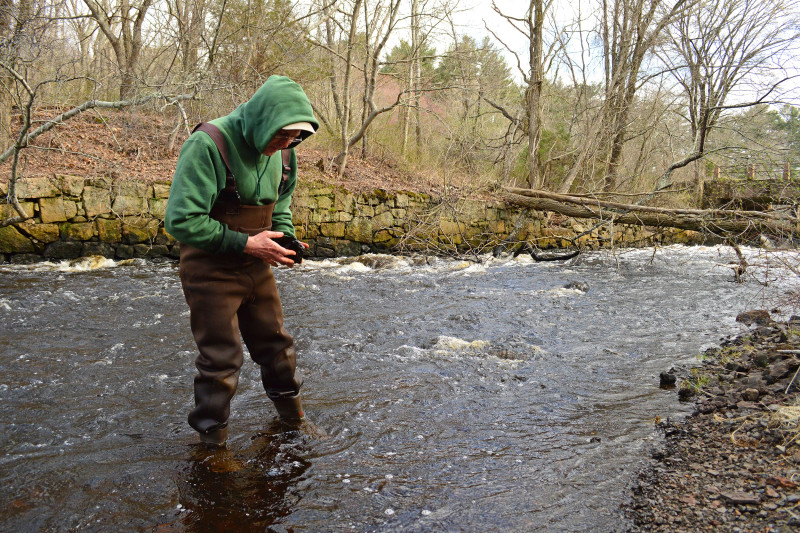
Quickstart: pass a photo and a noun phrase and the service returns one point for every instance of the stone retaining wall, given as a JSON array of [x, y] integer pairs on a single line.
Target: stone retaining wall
[[74, 216]]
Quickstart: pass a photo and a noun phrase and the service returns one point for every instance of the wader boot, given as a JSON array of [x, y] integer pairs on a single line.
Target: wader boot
[[287, 401], [289, 408], [229, 294], [216, 438], [292, 418]]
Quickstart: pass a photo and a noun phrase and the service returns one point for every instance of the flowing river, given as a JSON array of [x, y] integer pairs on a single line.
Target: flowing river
[[446, 396]]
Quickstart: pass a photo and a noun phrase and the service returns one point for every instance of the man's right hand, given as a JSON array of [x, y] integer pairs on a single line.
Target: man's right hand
[[262, 246]]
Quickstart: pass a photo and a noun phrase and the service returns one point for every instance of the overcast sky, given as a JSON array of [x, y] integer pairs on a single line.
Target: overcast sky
[[475, 16]]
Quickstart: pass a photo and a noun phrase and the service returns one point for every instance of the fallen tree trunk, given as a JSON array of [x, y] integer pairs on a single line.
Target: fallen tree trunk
[[728, 224]]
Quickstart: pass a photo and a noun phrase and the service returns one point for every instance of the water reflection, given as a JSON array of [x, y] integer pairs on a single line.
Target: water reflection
[[245, 490]]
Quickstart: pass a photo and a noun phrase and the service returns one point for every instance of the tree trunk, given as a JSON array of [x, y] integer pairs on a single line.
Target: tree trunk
[[6, 105], [341, 159], [366, 93], [125, 40], [615, 155], [189, 16], [713, 221], [534, 95], [630, 28], [699, 182], [6, 82], [127, 86], [15, 23], [406, 115], [416, 71], [380, 28]]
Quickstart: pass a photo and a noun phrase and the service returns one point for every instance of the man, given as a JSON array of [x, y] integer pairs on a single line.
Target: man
[[227, 210]]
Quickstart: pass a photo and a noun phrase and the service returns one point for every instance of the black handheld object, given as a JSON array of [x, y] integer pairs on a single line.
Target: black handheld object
[[290, 243]]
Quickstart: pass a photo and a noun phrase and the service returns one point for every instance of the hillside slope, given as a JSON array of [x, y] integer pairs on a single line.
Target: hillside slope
[[132, 145]]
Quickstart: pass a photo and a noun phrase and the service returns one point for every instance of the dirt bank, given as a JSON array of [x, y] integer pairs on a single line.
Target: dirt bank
[[734, 465], [139, 146]]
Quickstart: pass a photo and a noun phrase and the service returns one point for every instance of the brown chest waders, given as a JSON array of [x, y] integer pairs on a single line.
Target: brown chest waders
[[228, 294]]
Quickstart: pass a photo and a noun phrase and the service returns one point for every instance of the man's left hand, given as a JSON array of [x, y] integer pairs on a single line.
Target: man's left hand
[[265, 248]]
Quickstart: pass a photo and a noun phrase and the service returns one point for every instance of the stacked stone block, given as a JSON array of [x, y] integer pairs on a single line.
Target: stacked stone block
[[74, 216]]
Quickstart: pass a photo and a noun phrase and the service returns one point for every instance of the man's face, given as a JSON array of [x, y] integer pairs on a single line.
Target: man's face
[[281, 140]]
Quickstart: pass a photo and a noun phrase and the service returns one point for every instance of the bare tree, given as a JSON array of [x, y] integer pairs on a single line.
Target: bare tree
[[426, 16], [10, 33], [340, 41], [122, 24], [414, 75], [190, 22], [250, 40], [472, 74], [630, 30], [411, 63], [532, 27], [31, 93], [84, 30], [22, 23], [720, 46]]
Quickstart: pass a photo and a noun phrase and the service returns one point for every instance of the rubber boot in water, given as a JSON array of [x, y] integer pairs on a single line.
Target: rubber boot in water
[[216, 438], [289, 408]]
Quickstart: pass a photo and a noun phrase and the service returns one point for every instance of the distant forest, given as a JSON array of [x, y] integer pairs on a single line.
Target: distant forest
[[613, 97]]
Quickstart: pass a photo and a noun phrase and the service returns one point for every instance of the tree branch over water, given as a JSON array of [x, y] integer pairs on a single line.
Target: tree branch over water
[[721, 222]]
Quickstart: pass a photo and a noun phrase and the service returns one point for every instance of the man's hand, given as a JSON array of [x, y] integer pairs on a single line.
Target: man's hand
[[262, 246]]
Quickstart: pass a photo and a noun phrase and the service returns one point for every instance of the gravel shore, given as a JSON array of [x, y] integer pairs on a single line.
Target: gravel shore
[[734, 464]]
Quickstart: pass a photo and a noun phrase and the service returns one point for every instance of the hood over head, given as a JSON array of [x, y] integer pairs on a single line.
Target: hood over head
[[276, 104], [279, 102]]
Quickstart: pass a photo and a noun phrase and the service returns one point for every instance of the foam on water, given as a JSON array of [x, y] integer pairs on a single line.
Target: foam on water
[[449, 345], [353, 267], [82, 264], [361, 263], [563, 292]]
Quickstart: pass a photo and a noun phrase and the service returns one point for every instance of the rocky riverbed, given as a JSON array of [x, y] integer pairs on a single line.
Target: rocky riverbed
[[734, 464]]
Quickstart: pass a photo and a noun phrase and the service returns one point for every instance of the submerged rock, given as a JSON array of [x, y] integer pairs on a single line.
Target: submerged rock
[[577, 286]]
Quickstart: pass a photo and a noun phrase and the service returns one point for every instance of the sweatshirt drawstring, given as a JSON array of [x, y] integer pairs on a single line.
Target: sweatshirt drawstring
[[259, 174]]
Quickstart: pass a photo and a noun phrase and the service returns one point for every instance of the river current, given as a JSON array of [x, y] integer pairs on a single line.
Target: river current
[[444, 395]]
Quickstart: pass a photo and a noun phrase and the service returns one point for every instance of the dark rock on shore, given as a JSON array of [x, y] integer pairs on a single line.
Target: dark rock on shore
[[758, 316], [667, 379], [734, 464]]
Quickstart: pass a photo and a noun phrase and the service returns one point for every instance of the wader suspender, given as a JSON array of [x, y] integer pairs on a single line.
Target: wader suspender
[[231, 193]]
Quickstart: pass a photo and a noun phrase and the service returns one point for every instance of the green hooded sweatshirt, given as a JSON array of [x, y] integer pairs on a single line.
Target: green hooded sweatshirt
[[200, 171]]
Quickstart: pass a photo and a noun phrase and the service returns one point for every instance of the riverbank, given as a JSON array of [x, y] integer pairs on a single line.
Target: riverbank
[[105, 193], [734, 464], [73, 216]]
